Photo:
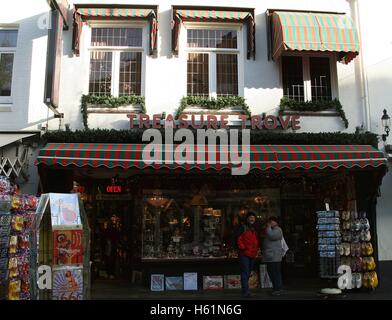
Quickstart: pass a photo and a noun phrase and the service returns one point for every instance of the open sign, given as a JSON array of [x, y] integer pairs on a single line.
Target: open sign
[[113, 189]]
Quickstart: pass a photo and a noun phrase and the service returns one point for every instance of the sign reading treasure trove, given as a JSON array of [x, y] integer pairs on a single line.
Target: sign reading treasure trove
[[184, 121]]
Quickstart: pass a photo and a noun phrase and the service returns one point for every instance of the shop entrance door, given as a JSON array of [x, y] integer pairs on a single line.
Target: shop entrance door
[[299, 228], [112, 242]]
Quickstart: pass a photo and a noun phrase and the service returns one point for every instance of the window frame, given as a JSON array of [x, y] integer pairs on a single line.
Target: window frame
[[332, 56], [116, 51], [212, 52], [7, 100]]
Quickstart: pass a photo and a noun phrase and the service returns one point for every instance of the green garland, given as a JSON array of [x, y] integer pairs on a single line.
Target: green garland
[[108, 102], [256, 137], [212, 103], [314, 106]]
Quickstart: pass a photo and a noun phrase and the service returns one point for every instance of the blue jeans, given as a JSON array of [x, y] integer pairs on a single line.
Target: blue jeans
[[246, 267], [275, 274]]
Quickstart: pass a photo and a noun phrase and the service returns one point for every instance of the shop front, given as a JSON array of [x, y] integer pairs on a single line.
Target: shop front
[[178, 221]]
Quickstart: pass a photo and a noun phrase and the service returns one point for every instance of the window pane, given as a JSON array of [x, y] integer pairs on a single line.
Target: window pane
[[197, 74], [292, 74], [320, 79], [130, 73], [212, 38], [100, 73], [123, 37], [227, 74], [6, 63], [8, 38]]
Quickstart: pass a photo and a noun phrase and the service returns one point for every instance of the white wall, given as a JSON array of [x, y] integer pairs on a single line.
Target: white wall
[[28, 80], [377, 57], [166, 75]]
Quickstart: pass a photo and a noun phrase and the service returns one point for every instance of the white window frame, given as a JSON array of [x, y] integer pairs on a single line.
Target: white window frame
[[116, 51], [212, 52], [306, 71], [7, 100]]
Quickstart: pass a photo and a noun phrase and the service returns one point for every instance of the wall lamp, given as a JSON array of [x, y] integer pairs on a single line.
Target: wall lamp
[[386, 123]]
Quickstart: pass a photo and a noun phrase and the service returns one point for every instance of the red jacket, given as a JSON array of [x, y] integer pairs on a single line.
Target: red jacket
[[248, 243]]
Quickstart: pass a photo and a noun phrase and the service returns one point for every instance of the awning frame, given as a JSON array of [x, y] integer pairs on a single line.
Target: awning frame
[[249, 21], [269, 27], [78, 22]]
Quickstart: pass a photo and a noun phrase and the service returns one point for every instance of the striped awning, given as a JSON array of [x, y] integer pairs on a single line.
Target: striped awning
[[201, 14], [302, 31], [102, 12], [261, 157]]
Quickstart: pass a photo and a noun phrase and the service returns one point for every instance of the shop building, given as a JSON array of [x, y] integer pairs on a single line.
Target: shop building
[[150, 59]]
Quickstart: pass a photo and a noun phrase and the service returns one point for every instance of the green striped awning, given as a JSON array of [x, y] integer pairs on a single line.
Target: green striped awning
[[201, 14], [261, 157], [300, 31], [83, 13]]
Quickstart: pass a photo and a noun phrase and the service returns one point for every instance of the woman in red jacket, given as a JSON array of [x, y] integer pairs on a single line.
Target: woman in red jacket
[[248, 246]]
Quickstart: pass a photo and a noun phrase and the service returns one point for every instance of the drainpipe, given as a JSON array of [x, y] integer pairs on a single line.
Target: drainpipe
[[362, 70]]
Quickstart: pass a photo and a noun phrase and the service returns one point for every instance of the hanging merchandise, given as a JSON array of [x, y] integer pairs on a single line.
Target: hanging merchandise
[[17, 214], [329, 243], [357, 252]]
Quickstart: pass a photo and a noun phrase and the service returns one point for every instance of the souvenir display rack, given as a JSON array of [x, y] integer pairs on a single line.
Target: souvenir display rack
[[329, 238], [17, 249]]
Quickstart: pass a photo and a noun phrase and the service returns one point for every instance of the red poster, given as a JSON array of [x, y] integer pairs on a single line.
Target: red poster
[[67, 247]]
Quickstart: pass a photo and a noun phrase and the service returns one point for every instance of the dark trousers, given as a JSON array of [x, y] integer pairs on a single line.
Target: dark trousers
[[275, 273], [246, 267]]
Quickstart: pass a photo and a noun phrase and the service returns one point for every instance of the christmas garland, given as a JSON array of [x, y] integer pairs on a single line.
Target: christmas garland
[[313, 106], [256, 137], [108, 102], [212, 103]]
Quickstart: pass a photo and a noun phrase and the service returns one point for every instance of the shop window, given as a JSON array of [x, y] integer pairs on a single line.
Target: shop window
[[307, 78], [212, 62], [116, 61], [181, 224], [8, 39]]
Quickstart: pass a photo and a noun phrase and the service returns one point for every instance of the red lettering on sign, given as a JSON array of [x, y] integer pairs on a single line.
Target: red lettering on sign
[[113, 189]]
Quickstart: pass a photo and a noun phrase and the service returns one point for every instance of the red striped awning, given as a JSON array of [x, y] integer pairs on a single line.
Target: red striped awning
[[261, 157], [107, 12], [303, 31], [211, 14]]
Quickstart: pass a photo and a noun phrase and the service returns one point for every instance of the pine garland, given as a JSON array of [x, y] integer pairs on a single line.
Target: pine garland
[[212, 103], [257, 137], [108, 102], [313, 106]]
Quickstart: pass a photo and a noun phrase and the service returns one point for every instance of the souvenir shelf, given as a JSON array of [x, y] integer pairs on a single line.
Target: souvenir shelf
[[329, 239], [17, 250], [356, 249], [63, 241]]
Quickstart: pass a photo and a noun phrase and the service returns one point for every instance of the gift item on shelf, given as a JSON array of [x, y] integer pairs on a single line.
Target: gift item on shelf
[[157, 282], [190, 281], [329, 242], [232, 281], [174, 283], [212, 282]]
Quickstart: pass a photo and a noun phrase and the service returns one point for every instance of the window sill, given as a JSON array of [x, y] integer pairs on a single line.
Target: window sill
[[99, 108], [194, 109], [326, 113], [5, 107]]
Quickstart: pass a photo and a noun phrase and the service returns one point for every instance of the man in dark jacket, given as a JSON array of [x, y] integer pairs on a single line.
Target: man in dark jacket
[[248, 246], [272, 253]]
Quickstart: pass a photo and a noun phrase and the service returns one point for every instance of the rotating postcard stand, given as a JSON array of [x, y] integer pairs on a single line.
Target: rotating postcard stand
[[63, 240]]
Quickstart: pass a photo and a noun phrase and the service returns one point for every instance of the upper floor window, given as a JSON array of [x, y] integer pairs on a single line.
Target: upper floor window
[[8, 39], [212, 62], [308, 78], [116, 61]]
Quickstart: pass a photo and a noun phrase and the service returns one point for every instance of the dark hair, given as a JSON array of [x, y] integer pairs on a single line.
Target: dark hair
[[273, 218], [250, 213]]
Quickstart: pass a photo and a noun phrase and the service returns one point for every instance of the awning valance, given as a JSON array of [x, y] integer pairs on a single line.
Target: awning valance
[[303, 31], [261, 157], [118, 12], [217, 14]]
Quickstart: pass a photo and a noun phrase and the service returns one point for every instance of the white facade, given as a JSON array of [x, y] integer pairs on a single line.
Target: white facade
[[363, 86]]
